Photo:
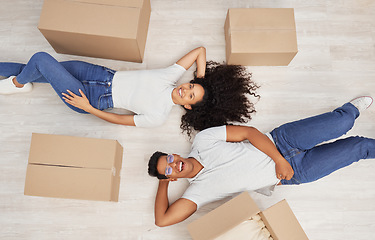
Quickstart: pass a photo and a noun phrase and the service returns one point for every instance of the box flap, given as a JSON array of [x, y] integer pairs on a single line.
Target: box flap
[[144, 21], [94, 46], [115, 188], [244, 19], [93, 19], [282, 223], [70, 182], [262, 41], [74, 151], [123, 3], [223, 218], [118, 159]]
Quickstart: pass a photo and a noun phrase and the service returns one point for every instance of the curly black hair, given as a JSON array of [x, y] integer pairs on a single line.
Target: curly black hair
[[225, 100], [153, 163]]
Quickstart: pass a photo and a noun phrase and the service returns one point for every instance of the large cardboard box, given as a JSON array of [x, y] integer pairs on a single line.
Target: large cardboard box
[[73, 167], [260, 36], [112, 29], [279, 220]]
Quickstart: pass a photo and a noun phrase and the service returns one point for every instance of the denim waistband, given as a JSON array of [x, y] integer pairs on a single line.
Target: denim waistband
[[101, 90], [112, 72], [105, 100], [288, 155]]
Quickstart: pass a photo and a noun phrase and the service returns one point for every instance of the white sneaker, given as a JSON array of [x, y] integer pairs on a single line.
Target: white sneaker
[[7, 87], [362, 103]]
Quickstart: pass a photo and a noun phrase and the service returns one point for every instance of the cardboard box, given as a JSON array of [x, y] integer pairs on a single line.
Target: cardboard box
[[73, 167], [279, 220], [112, 29], [260, 36]]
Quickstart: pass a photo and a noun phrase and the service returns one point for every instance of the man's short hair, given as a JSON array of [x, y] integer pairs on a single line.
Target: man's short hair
[[153, 163]]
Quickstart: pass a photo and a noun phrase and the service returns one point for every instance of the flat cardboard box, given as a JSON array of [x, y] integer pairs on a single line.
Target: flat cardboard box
[[111, 29], [260, 36], [279, 220], [73, 167]]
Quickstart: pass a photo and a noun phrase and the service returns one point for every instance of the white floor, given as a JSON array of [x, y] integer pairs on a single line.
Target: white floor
[[335, 63]]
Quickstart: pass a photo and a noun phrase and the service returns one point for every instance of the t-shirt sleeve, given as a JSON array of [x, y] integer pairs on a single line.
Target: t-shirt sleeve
[[175, 72], [199, 195], [208, 137], [148, 120]]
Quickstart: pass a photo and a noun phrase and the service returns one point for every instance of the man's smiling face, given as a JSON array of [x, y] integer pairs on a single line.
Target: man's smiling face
[[177, 167]]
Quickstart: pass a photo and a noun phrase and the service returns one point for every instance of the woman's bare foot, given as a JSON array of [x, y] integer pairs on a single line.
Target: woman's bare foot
[[16, 83], [11, 85]]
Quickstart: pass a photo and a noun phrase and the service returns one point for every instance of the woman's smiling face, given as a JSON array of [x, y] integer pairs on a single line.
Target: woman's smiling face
[[187, 94]]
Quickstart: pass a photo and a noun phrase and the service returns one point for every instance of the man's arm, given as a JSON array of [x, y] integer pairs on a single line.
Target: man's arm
[[83, 103], [264, 144], [166, 214], [197, 55]]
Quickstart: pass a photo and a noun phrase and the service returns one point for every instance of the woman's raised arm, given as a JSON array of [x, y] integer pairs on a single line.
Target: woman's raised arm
[[197, 55]]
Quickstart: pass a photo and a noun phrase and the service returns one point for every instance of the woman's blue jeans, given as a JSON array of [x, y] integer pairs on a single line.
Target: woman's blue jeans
[[297, 142], [95, 81]]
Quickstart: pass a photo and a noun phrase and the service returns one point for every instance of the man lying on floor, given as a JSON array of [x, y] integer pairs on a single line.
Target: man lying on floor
[[222, 164]]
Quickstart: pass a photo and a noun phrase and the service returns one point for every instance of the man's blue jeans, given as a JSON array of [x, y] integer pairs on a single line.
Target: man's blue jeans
[[95, 81], [297, 142]]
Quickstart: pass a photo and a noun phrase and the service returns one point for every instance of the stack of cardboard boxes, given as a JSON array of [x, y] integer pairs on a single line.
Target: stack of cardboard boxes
[[73, 167]]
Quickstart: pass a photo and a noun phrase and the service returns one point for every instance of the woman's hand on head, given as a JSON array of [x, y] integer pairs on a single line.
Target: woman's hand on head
[[80, 102], [197, 55]]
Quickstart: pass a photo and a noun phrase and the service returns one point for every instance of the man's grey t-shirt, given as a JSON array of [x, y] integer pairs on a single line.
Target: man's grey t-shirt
[[229, 167]]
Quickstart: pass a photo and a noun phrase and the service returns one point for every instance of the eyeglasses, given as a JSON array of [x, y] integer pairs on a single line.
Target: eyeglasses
[[168, 169]]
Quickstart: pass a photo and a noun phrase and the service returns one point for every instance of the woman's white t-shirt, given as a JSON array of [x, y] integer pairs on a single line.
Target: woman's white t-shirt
[[148, 93]]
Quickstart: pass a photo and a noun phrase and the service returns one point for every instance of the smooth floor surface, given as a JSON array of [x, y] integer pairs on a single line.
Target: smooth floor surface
[[335, 63]]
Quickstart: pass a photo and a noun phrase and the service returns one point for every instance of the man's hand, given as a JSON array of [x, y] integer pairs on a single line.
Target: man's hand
[[168, 180], [264, 144], [77, 101], [283, 169]]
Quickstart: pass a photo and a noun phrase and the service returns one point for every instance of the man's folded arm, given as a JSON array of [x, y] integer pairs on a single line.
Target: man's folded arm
[[165, 214], [264, 144]]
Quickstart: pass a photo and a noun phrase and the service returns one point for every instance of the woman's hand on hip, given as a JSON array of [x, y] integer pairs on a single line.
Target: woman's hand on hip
[[284, 170], [77, 101]]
